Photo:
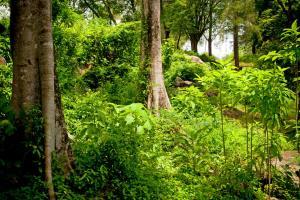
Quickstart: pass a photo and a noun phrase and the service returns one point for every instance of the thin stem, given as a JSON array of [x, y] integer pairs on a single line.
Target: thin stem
[[222, 125], [247, 131], [268, 159], [251, 140], [297, 104]]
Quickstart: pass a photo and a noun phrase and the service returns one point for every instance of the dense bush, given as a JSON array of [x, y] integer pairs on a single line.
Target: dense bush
[[182, 67], [95, 52]]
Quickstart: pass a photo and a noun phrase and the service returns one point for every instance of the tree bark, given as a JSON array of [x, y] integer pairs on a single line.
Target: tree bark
[[210, 29], [254, 43], [110, 14], [157, 96], [46, 69], [178, 41], [34, 83], [25, 91], [236, 45], [94, 11], [194, 42]]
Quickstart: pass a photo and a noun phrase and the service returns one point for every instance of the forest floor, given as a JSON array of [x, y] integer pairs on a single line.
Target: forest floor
[[290, 160]]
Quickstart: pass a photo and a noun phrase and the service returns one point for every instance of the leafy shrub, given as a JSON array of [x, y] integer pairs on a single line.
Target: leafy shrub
[[101, 51], [184, 68], [284, 185], [192, 103], [168, 49], [206, 58], [34, 190], [113, 152]]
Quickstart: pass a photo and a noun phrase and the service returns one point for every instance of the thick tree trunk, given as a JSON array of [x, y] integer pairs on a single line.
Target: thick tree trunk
[[25, 93], [34, 84], [157, 97], [194, 42], [236, 46]]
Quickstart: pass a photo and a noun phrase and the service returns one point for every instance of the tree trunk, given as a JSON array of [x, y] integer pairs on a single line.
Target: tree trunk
[[210, 29], [165, 32], [34, 84], [194, 42], [178, 41], [25, 90], [157, 97], [110, 14], [254, 43], [236, 45], [46, 69]]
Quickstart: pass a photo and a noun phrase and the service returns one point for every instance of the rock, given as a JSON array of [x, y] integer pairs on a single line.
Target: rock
[[2, 61], [196, 59], [233, 113], [181, 83]]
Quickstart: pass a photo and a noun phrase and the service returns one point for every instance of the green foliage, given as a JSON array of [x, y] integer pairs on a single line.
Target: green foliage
[[192, 103], [284, 185], [113, 151], [98, 52], [206, 58], [4, 40], [35, 190], [168, 50], [5, 85], [121, 150], [183, 68], [272, 21]]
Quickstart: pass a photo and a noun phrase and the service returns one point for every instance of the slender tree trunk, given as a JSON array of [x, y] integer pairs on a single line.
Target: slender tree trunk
[[178, 41], [110, 14], [94, 11], [165, 31], [253, 48], [210, 29], [194, 42], [254, 43], [62, 142], [157, 97], [222, 122], [236, 45], [297, 67], [46, 69]]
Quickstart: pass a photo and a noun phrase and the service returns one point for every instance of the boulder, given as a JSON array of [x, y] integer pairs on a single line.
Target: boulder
[[196, 59], [181, 83]]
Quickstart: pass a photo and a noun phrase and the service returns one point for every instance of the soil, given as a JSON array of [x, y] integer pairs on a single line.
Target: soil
[[289, 160]]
